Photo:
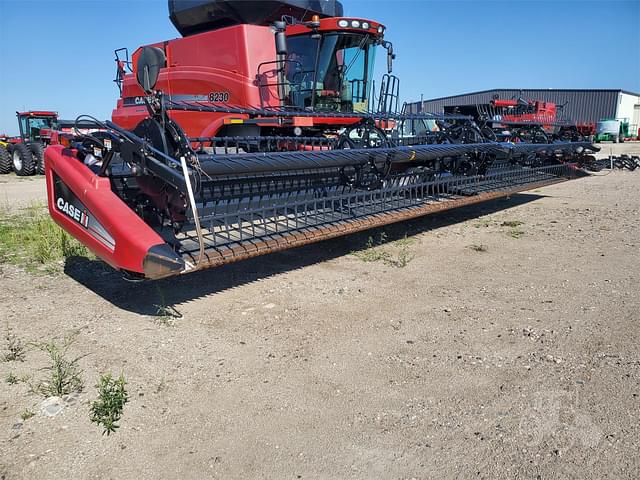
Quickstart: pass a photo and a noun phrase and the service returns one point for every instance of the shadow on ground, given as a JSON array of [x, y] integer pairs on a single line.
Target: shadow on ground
[[145, 297]]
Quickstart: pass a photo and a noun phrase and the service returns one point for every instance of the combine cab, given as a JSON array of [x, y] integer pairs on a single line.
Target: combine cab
[[257, 132]]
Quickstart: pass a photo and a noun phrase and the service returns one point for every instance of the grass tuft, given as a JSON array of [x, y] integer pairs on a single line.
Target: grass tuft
[[166, 314], [512, 223], [65, 374], [483, 223], [515, 233], [15, 349], [12, 379], [32, 240], [403, 258], [27, 414], [107, 409], [479, 248], [373, 251]]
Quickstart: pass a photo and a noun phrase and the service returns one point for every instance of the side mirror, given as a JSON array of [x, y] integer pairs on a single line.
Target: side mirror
[[281, 37], [390, 56], [150, 61]]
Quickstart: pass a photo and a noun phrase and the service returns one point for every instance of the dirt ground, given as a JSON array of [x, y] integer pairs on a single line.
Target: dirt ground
[[501, 350]]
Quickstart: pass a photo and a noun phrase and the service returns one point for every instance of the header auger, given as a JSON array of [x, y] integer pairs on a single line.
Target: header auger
[[183, 180]]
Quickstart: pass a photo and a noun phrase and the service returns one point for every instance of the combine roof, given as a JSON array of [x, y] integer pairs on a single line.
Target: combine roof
[[197, 16]]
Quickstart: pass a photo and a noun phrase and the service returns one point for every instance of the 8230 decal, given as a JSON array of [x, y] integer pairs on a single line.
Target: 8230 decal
[[219, 97]]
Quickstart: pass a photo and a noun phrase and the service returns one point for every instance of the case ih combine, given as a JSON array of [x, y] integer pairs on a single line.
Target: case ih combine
[[259, 131]]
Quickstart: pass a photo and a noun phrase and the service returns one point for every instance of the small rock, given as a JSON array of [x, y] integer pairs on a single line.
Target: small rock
[[52, 406], [447, 310]]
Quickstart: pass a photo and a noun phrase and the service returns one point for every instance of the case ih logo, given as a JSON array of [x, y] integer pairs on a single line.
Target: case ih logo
[[72, 212]]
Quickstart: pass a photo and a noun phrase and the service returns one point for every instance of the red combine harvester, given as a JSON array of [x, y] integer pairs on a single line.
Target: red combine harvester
[[259, 131]]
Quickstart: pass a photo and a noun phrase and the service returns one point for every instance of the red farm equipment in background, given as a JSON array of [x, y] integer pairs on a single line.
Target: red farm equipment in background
[[519, 110], [521, 120], [24, 154]]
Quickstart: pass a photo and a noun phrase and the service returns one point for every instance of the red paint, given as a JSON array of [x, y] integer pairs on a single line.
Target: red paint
[[132, 236], [539, 112], [222, 60], [37, 113]]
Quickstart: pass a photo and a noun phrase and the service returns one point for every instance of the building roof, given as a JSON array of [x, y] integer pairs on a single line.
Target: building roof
[[608, 90]]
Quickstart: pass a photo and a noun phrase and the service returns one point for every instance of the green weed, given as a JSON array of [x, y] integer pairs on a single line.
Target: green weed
[[26, 415], [112, 396], [15, 350], [478, 248], [482, 223], [12, 379], [373, 251], [404, 257], [512, 223], [166, 314], [65, 374], [405, 241]]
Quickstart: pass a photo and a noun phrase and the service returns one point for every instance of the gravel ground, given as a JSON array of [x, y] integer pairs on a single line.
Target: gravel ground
[[501, 350]]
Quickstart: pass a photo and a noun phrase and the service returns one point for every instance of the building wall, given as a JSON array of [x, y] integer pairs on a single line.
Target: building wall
[[582, 106], [629, 107]]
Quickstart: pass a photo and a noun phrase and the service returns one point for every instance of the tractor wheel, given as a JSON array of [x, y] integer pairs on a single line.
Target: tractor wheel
[[37, 149], [23, 162], [5, 160]]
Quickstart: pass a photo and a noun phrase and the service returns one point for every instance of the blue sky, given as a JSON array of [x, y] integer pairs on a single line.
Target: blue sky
[[58, 54]]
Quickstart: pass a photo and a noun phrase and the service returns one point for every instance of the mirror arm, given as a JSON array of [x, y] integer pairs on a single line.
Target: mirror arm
[[390, 55]]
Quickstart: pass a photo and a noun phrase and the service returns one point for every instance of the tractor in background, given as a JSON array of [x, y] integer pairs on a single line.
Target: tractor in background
[[25, 154], [5, 157], [36, 128]]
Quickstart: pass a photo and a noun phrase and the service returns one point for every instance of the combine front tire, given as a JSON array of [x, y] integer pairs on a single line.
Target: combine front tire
[[5, 160], [23, 162], [37, 149]]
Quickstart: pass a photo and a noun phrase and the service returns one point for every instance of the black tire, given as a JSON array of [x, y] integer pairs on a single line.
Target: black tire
[[5, 160], [23, 161], [37, 149]]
